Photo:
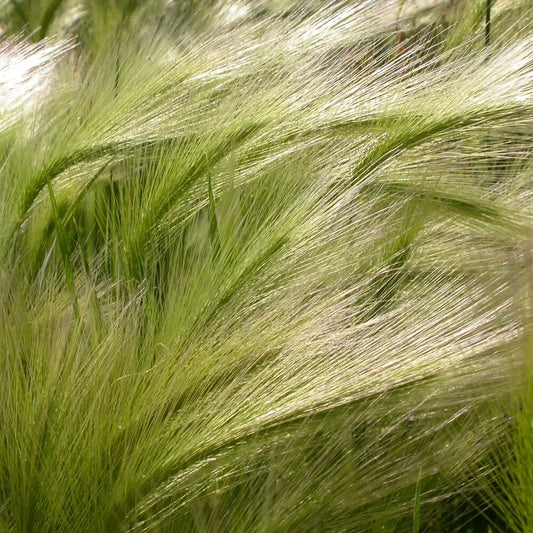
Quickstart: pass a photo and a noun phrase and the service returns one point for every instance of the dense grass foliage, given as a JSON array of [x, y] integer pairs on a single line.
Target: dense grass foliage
[[265, 267]]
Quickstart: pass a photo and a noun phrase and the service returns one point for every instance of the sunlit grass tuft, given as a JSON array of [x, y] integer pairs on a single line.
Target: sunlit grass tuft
[[261, 277]]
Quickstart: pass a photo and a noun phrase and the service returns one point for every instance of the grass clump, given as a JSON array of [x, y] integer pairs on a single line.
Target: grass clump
[[261, 272]]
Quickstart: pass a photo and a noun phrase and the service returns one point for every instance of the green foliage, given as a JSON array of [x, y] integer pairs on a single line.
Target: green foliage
[[263, 270]]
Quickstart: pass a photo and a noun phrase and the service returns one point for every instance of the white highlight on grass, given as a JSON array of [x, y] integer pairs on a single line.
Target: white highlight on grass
[[25, 71]]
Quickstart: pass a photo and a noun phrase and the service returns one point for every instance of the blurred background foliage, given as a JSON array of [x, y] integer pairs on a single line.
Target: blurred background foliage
[[37, 19]]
